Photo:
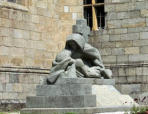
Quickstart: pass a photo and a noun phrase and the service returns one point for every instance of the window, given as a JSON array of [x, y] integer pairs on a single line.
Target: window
[[21, 2], [94, 13], [21, 5]]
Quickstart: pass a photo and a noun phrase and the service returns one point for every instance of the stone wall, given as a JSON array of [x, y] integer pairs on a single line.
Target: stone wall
[[30, 37], [123, 44]]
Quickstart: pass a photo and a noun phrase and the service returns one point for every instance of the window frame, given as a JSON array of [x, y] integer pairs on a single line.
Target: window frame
[[15, 6], [93, 5]]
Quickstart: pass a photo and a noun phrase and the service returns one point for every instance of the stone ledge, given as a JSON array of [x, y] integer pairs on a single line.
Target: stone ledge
[[87, 110], [15, 6], [11, 105], [93, 81], [24, 70]]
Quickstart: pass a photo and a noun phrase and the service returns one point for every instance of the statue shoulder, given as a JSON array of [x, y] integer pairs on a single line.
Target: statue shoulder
[[91, 51]]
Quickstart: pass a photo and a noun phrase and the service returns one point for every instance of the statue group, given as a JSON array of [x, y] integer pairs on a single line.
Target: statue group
[[78, 59]]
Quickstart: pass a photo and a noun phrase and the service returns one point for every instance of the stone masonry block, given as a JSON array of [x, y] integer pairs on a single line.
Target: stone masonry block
[[130, 36], [140, 5], [117, 51], [123, 15], [110, 8], [122, 7], [140, 42], [132, 71], [134, 14], [63, 89], [109, 59], [111, 16], [131, 79], [119, 1], [85, 81], [14, 78], [122, 59], [123, 72], [108, 44], [115, 37], [144, 35], [117, 31], [122, 79], [144, 49], [133, 23], [114, 24], [138, 29], [144, 12], [61, 101], [145, 71], [104, 38], [137, 57], [139, 71], [106, 51], [130, 88], [132, 50], [144, 87], [123, 44]]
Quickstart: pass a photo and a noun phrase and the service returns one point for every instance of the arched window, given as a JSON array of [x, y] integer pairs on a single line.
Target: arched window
[[94, 13]]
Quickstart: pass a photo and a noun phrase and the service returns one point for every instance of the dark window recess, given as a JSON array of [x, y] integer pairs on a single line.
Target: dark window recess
[[99, 1], [99, 12], [88, 15], [12, 1], [86, 2], [100, 16]]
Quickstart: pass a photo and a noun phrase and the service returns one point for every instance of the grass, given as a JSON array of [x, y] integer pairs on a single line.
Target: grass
[[9, 113], [140, 110]]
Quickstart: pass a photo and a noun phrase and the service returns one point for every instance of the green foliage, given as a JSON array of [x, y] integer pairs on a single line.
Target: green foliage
[[66, 113], [70, 113], [2, 113], [136, 110]]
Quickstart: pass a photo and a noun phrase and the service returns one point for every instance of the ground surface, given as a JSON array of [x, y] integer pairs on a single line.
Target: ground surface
[[9, 112], [97, 113]]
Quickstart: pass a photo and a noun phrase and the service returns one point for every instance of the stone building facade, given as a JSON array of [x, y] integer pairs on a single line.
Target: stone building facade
[[34, 31], [124, 44]]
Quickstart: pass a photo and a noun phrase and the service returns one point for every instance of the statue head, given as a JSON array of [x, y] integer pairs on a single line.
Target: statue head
[[82, 28], [75, 42]]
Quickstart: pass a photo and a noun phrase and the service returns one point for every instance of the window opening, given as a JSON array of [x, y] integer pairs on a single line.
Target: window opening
[[94, 13], [21, 2]]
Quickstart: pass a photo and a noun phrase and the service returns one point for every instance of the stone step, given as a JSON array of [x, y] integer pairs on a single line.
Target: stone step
[[88, 110], [61, 101], [64, 89], [93, 81]]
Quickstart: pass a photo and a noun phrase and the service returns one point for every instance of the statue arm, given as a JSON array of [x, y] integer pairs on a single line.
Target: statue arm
[[99, 63], [89, 72]]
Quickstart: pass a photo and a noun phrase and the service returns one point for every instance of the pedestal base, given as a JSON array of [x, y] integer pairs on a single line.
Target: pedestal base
[[89, 110]]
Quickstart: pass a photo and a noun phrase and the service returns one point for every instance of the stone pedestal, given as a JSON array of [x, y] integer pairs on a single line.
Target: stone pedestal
[[80, 95]]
